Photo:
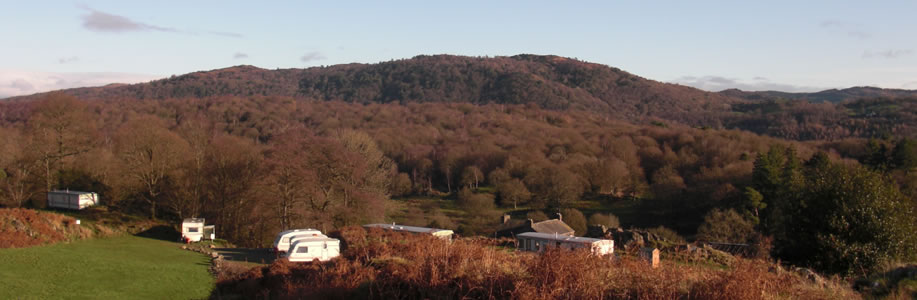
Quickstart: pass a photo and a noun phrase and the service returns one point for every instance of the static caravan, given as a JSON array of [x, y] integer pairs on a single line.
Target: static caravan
[[72, 199], [445, 234], [194, 230], [319, 248], [285, 238], [539, 242]]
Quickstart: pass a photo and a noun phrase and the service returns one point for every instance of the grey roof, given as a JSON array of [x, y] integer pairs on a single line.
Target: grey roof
[[552, 226], [414, 229], [69, 192], [549, 226], [193, 220], [314, 239], [559, 237], [512, 224]]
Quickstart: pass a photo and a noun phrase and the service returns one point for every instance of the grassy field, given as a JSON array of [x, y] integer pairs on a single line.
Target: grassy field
[[124, 267]]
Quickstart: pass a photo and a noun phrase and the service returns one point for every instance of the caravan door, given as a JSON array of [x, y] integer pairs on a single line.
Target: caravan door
[[324, 251]]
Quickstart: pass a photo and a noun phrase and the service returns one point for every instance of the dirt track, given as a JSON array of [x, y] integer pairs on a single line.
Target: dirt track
[[254, 255]]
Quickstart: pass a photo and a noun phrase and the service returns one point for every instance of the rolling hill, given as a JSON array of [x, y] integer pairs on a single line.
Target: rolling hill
[[832, 95], [551, 82]]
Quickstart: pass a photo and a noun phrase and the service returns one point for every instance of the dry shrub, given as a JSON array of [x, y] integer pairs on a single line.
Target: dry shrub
[[21, 227], [380, 264]]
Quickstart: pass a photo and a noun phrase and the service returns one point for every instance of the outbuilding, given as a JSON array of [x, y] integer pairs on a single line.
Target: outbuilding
[[511, 227], [539, 242], [321, 248], [194, 230], [72, 199], [445, 234]]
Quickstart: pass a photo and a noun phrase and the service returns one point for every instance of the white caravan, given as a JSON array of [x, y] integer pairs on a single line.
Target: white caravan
[[305, 249], [72, 199], [194, 230], [284, 239]]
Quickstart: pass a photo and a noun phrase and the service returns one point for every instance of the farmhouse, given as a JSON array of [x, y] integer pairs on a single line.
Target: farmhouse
[[440, 233], [194, 230], [72, 199], [513, 227], [539, 242]]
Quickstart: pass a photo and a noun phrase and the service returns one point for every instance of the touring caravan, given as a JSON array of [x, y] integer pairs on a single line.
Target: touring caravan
[[539, 242], [321, 248], [72, 199], [445, 234], [285, 238], [194, 230]]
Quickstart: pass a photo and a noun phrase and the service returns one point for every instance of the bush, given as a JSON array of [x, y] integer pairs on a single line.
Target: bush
[[725, 226], [401, 185], [536, 216], [575, 219], [480, 211], [609, 220], [668, 235], [852, 221]]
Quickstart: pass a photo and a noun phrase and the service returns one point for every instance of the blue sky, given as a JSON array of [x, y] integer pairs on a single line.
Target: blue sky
[[714, 45]]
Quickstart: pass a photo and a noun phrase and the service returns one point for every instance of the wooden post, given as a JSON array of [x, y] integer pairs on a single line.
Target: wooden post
[[651, 255]]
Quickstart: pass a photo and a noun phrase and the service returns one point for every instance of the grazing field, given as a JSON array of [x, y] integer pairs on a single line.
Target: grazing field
[[124, 267]]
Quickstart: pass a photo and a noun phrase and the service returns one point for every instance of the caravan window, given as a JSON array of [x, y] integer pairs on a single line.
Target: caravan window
[[192, 229], [302, 250]]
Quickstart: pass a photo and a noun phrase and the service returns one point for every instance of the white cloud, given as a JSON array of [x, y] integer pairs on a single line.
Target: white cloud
[[312, 56], [850, 29], [17, 83], [889, 54], [226, 34], [105, 22], [718, 83], [67, 60]]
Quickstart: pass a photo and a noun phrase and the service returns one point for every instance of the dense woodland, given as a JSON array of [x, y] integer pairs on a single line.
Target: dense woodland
[[555, 136]]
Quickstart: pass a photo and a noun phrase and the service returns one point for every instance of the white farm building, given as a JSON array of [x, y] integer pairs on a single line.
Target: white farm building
[[539, 242], [72, 199]]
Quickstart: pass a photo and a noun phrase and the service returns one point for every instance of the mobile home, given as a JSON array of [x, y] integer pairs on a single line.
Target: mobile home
[[539, 242], [285, 238], [194, 230], [321, 248], [445, 234], [72, 199]]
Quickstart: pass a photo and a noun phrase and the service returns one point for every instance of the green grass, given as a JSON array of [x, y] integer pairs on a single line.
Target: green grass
[[123, 267]]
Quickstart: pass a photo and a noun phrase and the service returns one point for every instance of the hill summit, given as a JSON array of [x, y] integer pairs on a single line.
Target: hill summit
[[547, 81]]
